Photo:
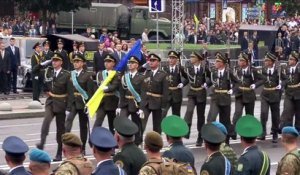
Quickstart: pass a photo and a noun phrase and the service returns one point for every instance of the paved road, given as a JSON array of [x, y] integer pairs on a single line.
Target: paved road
[[29, 130]]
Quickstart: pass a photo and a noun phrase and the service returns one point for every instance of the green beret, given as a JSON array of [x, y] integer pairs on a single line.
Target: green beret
[[153, 140], [71, 139], [248, 126], [174, 126], [212, 134]]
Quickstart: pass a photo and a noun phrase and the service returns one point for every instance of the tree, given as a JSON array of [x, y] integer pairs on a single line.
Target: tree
[[290, 6], [48, 7]]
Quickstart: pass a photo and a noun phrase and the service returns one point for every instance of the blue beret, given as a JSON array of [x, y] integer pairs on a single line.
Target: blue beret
[[38, 155], [290, 130], [15, 146], [102, 138], [221, 127]]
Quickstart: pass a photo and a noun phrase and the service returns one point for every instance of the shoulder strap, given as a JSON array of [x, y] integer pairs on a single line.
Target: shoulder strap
[[155, 165], [296, 153], [265, 165]]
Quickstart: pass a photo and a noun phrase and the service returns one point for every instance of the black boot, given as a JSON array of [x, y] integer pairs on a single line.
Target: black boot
[[199, 141], [188, 134], [58, 156], [42, 143], [262, 136], [275, 137]]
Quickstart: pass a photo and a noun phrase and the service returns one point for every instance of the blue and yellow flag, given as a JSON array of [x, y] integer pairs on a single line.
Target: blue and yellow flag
[[96, 99]]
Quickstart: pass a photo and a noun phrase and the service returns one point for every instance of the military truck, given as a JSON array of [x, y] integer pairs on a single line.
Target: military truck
[[128, 22]]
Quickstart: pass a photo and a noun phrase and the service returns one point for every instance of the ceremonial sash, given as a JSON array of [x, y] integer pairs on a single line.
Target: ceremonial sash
[[227, 166], [104, 76], [131, 88], [77, 86]]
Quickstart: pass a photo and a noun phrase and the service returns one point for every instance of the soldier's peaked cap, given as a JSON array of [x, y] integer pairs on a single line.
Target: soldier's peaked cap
[[174, 126], [270, 56], [14, 146], [102, 138], [153, 56], [212, 134], [125, 127], [173, 53]]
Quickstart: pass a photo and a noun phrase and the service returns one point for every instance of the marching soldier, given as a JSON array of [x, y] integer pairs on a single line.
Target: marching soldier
[[73, 53], [37, 73], [292, 92], [59, 90], [222, 80], [154, 93], [110, 100], [213, 138], [175, 73], [60, 49], [270, 96], [252, 161], [248, 80], [83, 87], [47, 53], [130, 96], [198, 75], [290, 163]]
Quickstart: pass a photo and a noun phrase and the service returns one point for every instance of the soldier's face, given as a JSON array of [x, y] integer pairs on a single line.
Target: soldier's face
[[78, 64], [268, 63], [101, 46], [56, 63], [12, 42], [194, 60], [153, 63], [46, 47], [133, 66], [38, 49], [292, 61], [219, 64], [81, 48], [60, 46], [242, 63], [109, 65], [74, 47], [172, 61]]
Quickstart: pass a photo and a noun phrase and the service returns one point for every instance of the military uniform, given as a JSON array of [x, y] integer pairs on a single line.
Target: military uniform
[[37, 74], [130, 158], [15, 147], [47, 55], [103, 140], [76, 165], [110, 100], [270, 97], [59, 89], [177, 79], [290, 163], [174, 126], [154, 95], [83, 82], [291, 83], [211, 134], [66, 61], [248, 127], [222, 82], [248, 80], [198, 78], [128, 103]]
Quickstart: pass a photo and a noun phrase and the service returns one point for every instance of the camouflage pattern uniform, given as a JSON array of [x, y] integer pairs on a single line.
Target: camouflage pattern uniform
[[289, 164], [75, 166], [230, 154], [147, 170]]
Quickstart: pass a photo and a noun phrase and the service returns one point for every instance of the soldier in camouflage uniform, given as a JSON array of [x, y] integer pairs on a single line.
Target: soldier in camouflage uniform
[[177, 79], [75, 163], [290, 163]]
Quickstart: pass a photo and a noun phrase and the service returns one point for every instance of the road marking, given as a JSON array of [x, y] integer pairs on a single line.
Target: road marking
[[20, 125]]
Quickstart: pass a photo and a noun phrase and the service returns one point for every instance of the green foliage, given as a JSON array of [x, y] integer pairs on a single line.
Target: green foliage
[[52, 6], [290, 6]]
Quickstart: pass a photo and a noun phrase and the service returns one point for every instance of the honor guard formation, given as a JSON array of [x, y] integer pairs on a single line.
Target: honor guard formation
[[146, 87]]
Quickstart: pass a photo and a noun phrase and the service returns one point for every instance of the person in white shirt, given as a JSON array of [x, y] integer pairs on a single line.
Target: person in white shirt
[[145, 38]]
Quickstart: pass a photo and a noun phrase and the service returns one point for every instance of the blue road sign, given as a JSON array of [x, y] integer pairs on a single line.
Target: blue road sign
[[156, 5]]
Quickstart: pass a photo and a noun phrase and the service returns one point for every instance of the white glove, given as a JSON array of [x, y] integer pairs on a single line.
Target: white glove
[[141, 113], [145, 65], [46, 62], [278, 87], [252, 86], [229, 92], [67, 113], [104, 88], [118, 111], [180, 85], [204, 86]]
